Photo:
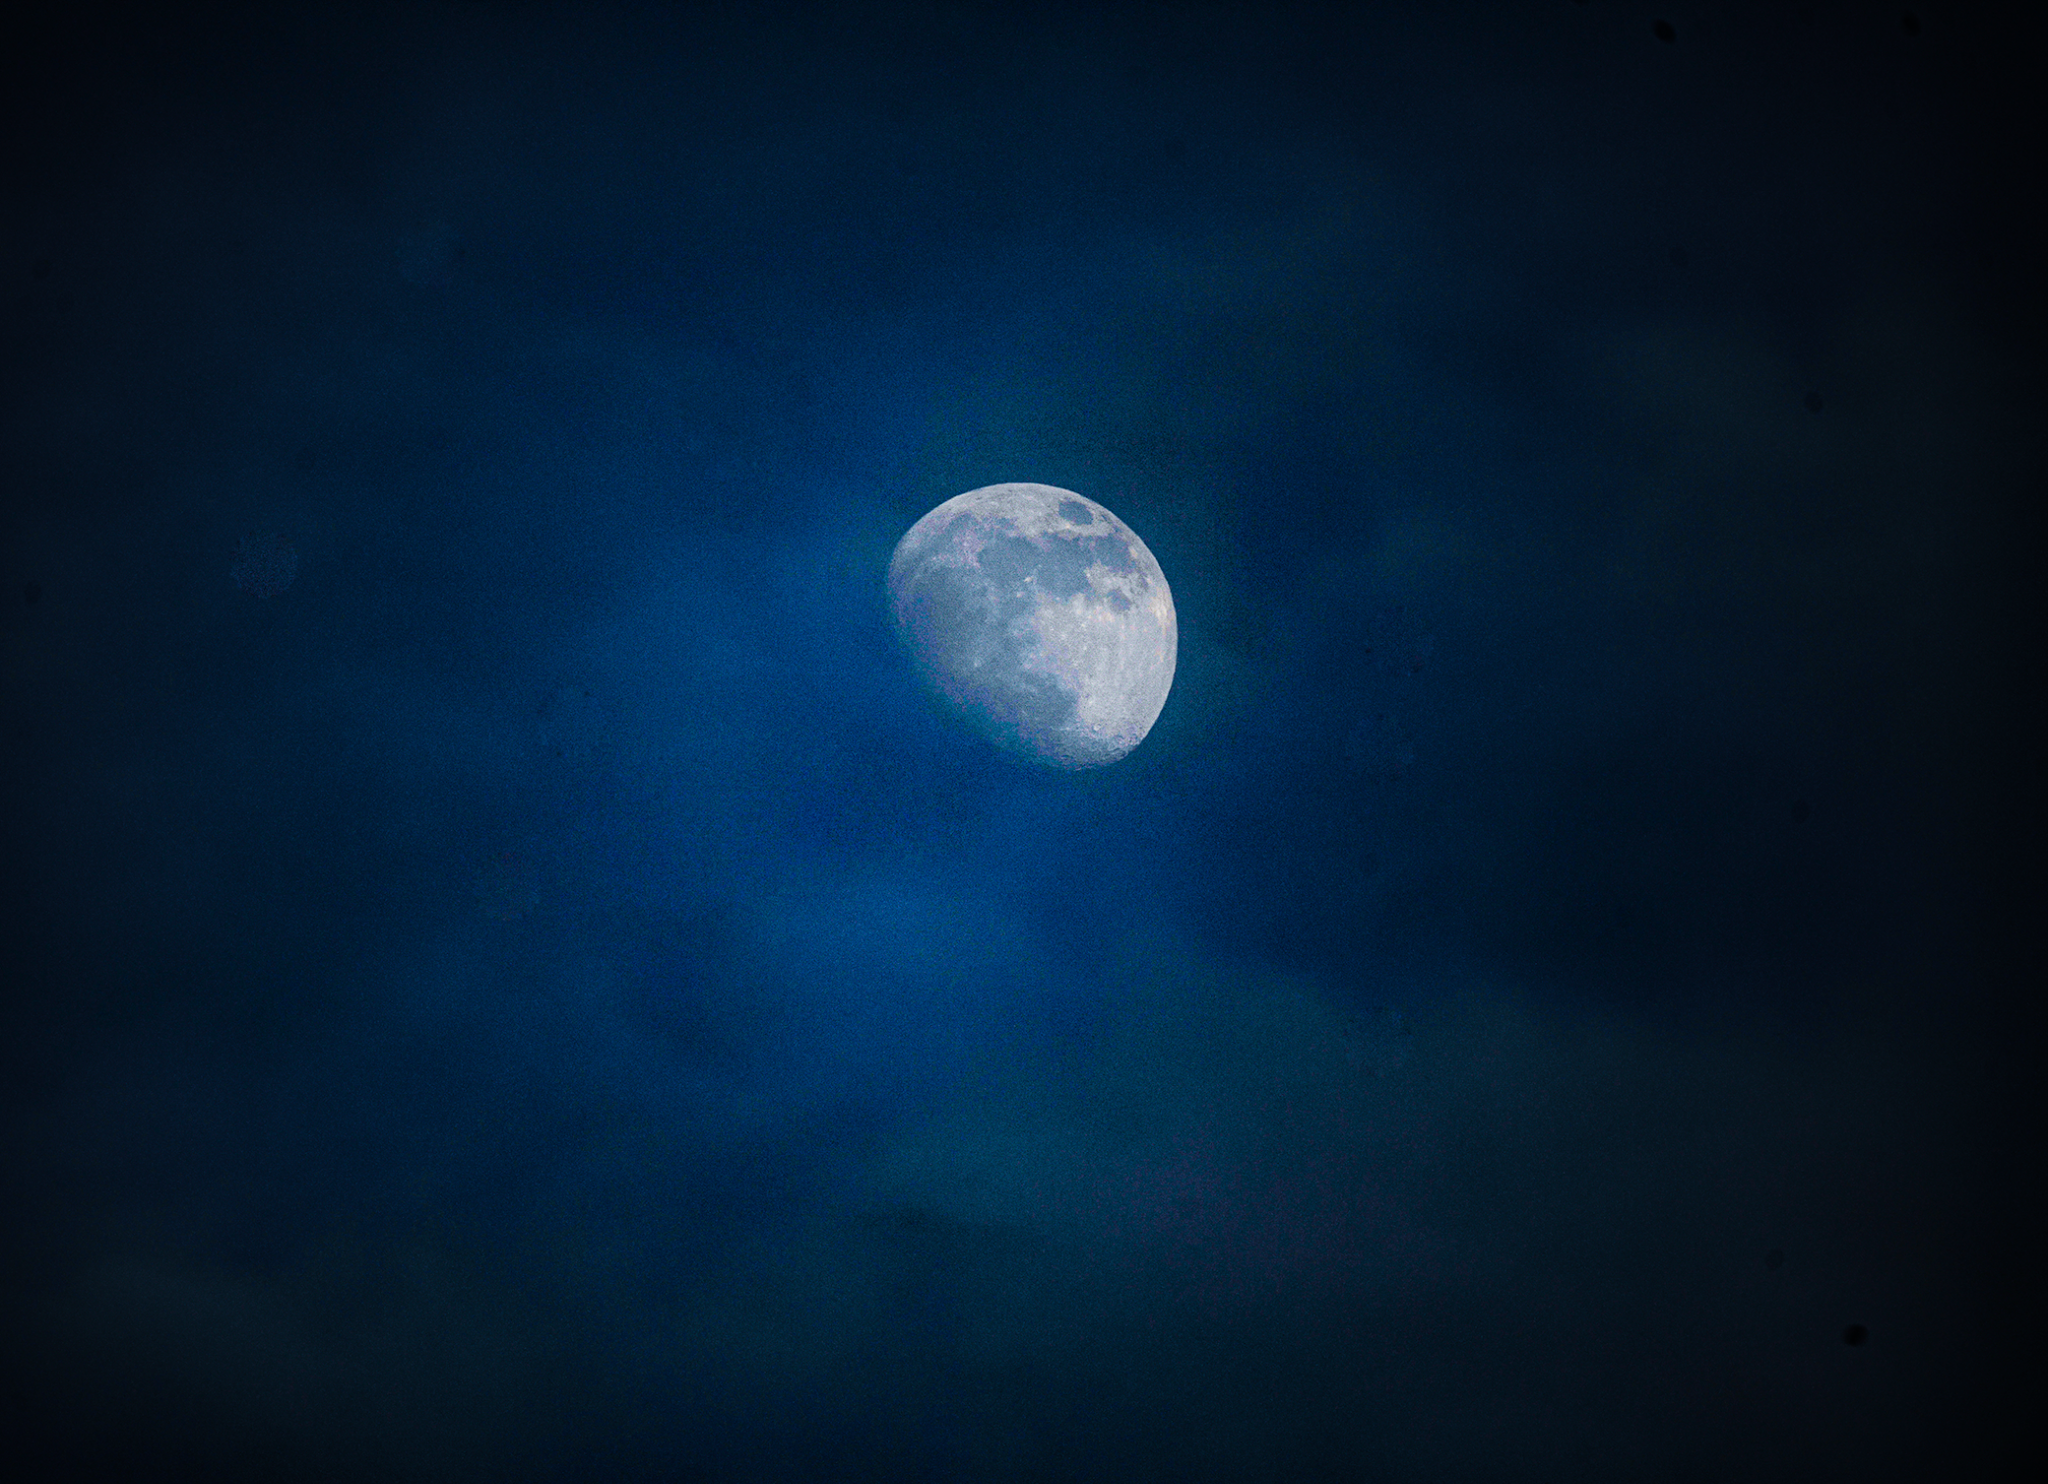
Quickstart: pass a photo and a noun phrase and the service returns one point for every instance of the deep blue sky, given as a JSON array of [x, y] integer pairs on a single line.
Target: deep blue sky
[[535, 995]]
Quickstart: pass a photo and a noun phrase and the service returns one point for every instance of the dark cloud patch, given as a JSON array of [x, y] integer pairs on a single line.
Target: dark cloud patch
[[544, 1000], [265, 565]]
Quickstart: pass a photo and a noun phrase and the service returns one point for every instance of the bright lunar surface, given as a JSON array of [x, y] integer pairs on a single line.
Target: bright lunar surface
[[1040, 618]]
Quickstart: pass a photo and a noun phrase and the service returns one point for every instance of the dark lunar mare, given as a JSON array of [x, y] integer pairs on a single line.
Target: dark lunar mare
[[964, 622], [1055, 566]]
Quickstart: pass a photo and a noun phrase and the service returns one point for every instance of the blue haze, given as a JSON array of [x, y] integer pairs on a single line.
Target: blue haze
[[539, 996]]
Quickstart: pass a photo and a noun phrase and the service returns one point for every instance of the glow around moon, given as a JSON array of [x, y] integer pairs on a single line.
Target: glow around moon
[[1040, 619]]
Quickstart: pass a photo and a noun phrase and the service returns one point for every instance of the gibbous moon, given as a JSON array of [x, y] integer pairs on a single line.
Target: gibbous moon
[[1038, 618]]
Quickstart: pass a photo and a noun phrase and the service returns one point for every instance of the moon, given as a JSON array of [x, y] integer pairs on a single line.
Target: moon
[[1039, 619]]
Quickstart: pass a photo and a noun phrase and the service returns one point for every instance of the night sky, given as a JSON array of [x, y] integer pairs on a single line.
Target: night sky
[[506, 977]]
